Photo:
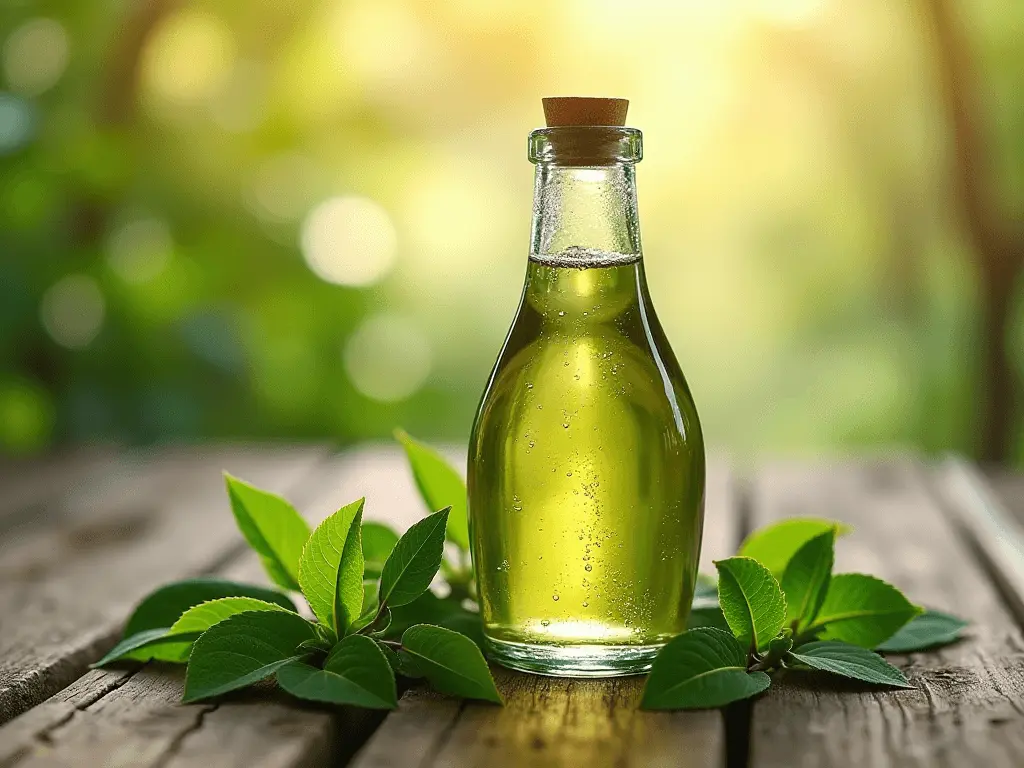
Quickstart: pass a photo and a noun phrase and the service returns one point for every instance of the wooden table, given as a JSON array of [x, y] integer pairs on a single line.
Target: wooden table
[[84, 536]]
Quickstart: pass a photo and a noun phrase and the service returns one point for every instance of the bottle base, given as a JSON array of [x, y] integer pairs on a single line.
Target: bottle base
[[572, 660]]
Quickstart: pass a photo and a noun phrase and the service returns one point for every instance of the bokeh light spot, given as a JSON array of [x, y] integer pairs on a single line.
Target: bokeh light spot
[[16, 123], [382, 40], [240, 105], [139, 249], [349, 241], [35, 56], [72, 311], [388, 357], [190, 59]]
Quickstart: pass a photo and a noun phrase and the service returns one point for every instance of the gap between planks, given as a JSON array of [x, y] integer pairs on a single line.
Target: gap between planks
[[968, 707], [67, 583], [553, 722], [135, 718]]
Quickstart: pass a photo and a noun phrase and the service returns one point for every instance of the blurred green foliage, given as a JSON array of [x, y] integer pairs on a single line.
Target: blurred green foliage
[[163, 163]]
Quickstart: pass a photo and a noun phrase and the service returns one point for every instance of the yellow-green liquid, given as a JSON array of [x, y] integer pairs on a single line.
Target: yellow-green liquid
[[586, 478]]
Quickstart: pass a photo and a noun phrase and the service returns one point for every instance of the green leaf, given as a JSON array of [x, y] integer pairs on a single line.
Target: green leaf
[[162, 607], [272, 527], [135, 647], [862, 610], [707, 616], [242, 650], [751, 600], [806, 578], [400, 662], [199, 618], [849, 661], [929, 630], [777, 646], [414, 562], [370, 604], [466, 623], [775, 544], [378, 542], [699, 669], [356, 672], [439, 485], [331, 568], [174, 643], [450, 661], [445, 612], [392, 657]]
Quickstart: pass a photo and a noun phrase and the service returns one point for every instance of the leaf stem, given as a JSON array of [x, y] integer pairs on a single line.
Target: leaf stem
[[369, 627]]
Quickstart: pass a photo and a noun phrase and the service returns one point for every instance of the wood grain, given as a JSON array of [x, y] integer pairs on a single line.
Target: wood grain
[[993, 529], [134, 717], [66, 587], [968, 707], [553, 722], [29, 487], [1009, 487]]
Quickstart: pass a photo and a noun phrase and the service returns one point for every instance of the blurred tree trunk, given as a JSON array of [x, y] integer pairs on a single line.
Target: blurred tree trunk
[[118, 98], [115, 109], [997, 239]]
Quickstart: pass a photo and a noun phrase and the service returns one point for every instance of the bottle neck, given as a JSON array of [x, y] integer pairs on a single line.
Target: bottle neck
[[585, 216]]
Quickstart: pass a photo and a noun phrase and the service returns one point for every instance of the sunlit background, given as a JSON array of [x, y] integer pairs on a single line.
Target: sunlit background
[[304, 219]]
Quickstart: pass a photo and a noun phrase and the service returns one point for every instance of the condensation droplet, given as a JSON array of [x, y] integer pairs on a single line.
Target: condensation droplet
[[565, 425], [544, 622], [586, 604], [568, 474], [588, 567], [555, 598]]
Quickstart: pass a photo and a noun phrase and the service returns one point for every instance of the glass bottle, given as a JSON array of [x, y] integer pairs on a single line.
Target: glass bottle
[[586, 461]]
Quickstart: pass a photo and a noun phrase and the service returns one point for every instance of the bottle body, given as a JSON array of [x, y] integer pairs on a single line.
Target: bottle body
[[586, 475]]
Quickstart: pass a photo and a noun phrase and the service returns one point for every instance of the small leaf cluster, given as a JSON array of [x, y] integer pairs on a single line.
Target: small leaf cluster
[[368, 589], [778, 605]]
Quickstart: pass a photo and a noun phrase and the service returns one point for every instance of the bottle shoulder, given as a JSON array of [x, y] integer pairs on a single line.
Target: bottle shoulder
[[605, 369]]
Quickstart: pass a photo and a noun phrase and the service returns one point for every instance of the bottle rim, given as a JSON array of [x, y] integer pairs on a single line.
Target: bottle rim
[[585, 145]]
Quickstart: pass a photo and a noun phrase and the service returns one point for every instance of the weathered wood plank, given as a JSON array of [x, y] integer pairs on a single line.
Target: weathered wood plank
[[968, 707], [66, 588], [134, 717], [1009, 487], [554, 722], [994, 530], [26, 486]]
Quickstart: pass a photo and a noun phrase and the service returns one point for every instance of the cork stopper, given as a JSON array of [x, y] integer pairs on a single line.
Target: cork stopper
[[584, 110]]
